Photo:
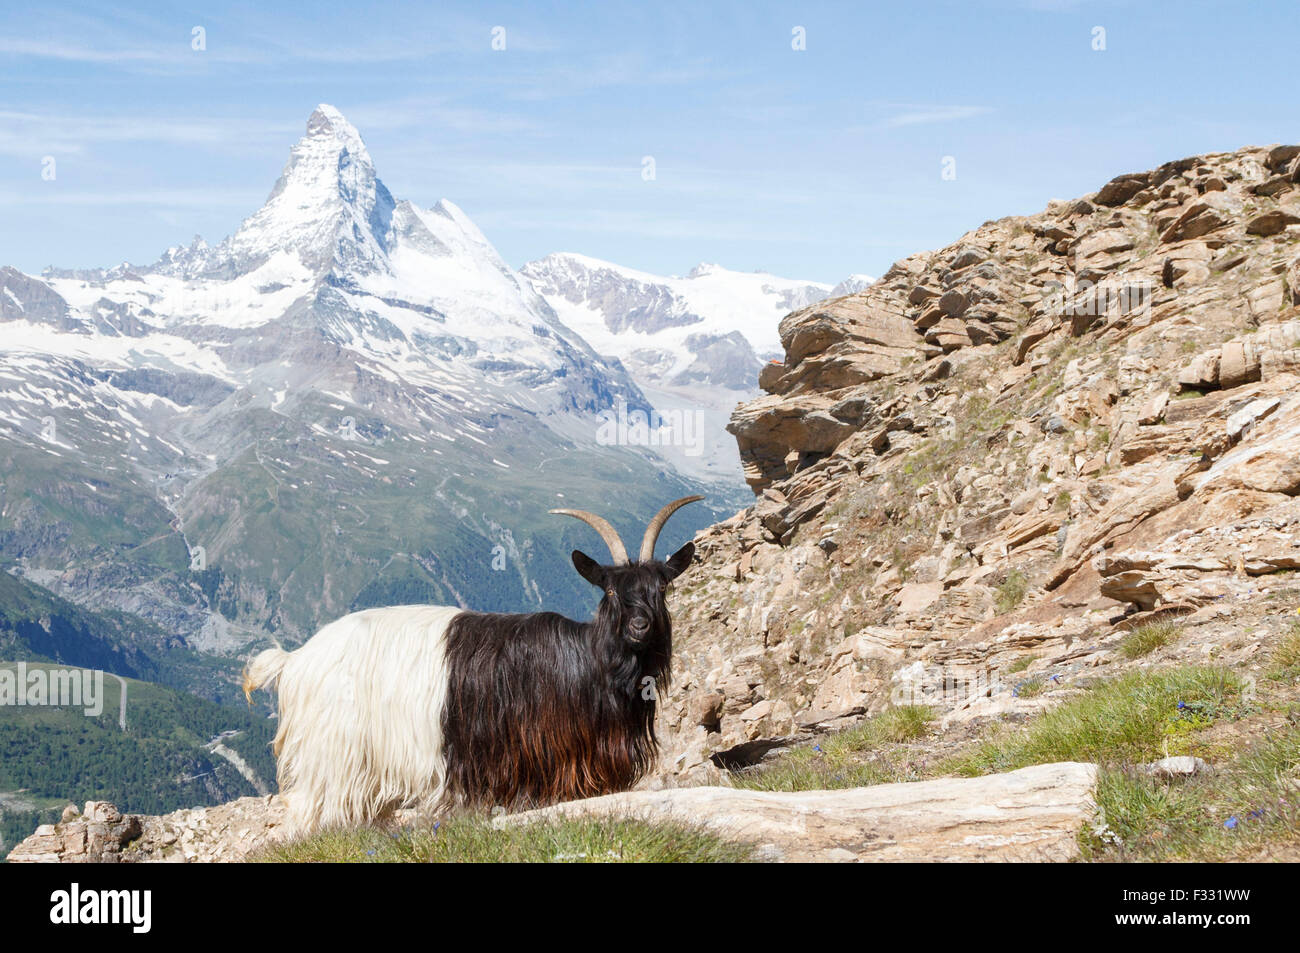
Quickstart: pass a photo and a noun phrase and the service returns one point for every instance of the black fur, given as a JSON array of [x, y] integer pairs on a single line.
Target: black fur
[[542, 709]]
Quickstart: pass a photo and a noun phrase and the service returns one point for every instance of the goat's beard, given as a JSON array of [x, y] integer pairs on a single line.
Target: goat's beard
[[631, 664]]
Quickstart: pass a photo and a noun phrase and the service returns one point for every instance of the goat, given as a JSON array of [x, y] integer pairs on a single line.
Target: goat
[[432, 706]]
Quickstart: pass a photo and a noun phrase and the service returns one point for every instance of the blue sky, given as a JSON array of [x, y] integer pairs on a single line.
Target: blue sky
[[815, 163]]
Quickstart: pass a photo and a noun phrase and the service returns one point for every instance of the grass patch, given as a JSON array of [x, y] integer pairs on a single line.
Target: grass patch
[[1132, 718], [1020, 664], [1241, 810], [1145, 639], [472, 839], [1012, 591], [1030, 688], [853, 758], [1284, 662]]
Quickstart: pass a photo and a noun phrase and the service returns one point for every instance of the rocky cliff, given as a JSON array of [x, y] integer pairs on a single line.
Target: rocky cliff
[[1002, 455]]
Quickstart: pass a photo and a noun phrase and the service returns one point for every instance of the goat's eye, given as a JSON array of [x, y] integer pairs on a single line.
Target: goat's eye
[[663, 587], [610, 593]]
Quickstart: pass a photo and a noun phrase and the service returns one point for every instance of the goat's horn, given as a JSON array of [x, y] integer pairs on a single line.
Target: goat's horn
[[607, 533], [652, 531]]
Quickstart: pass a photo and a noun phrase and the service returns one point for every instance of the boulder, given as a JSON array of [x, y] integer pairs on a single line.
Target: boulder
[[1271, 223], [1153, 411], [1178, 766], [966, 256], [856, 319], [953, 303], [1034, 814], [1278, 157], [1238, 364], [1033, 334], [1199, 219], [1122, 188], [1201, 374]]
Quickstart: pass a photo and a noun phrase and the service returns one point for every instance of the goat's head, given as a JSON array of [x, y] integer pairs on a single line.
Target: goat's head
[[634, 600]]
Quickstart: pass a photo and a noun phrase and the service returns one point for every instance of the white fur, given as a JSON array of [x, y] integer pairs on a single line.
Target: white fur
[[360, 715]]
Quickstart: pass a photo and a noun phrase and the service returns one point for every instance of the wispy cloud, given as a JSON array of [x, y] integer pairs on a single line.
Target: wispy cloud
[[63, 50], [167, 47], [27, 134], [577, 76], [919, 115], [50, 193], [438, 113]]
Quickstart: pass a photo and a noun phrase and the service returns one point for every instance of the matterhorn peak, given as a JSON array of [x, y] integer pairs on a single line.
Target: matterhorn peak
[[328, 205], [327, 119], [330, 160]]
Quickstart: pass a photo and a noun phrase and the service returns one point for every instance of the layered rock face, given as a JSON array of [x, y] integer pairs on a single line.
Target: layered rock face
[[1056, 428]]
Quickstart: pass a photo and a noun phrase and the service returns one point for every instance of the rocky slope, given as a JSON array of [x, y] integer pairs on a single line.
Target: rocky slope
[[1006, 453]]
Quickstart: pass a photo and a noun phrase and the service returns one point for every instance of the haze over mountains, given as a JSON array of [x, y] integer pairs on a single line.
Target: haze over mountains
[[354, 401], [693, 344]]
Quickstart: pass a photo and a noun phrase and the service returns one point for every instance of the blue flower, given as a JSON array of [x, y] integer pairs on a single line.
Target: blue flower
[[1231, 822], [1182, 705], [370, 853]]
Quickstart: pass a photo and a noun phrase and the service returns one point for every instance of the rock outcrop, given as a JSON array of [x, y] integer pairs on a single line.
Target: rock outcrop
[[1034, 814], [1006, 451], [103, 834]]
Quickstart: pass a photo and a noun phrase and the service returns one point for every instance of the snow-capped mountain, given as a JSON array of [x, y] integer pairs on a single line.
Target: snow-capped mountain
[[851, 286], [349, 401], [419, 294], [713, 326], [693, 343]]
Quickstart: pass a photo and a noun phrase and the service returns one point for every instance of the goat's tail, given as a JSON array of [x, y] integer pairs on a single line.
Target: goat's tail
[[263, 669]]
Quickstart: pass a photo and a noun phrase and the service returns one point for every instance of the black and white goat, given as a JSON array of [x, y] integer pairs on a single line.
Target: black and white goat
[[428, 706]]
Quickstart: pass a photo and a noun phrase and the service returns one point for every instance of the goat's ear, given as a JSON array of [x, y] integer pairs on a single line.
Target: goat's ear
[[679, 560], [588, 569]]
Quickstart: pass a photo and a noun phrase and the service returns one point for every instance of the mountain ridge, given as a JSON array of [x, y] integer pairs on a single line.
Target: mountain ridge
[[241, 399]]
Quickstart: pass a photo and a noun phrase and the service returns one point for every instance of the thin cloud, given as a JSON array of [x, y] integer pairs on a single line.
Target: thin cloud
[[922, 115], [25, 134], [52, 194], [16, 46], [439, 114], [173, 52]]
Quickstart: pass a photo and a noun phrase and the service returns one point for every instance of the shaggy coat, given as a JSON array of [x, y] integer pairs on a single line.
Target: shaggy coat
[[429, 706]]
